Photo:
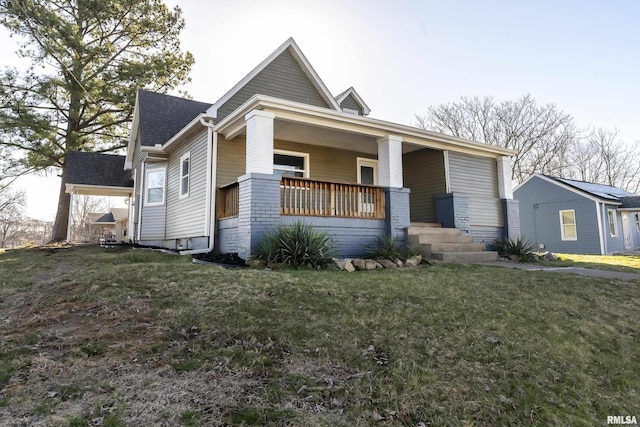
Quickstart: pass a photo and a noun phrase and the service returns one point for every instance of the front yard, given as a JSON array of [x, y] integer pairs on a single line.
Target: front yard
[[109, 337]]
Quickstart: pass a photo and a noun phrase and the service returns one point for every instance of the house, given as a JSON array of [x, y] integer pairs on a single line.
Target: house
[[110, 226], [96, 174], [278, 148], [568, 216]]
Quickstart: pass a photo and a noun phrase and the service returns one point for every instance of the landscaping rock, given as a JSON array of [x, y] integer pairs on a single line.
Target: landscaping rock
[[349, 267], [340, 263], [359, 264], [388, 264], [413, 261], [398, 262], [370, 264], [256, 263], [548, 256]]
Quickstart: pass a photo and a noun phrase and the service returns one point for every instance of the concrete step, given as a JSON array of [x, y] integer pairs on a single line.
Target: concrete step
[[416, 230], [465, 257], [454, 247], [426, 224], [426, 239]]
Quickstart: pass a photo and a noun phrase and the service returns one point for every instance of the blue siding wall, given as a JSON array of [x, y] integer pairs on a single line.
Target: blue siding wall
[[614, 243], [541, 224]]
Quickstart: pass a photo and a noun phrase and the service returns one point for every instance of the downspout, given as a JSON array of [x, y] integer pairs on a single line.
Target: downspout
[[604, 239], [140, 202], [210, 202], [600, 230]]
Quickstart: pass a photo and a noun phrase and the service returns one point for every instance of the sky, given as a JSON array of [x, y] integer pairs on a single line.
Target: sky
[[404, 56]]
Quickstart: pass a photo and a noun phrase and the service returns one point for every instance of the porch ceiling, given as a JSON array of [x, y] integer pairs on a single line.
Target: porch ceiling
[[94, 190], [327, 137]]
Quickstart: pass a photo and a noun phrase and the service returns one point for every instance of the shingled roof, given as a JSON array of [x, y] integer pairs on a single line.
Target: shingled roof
[[162, 116], [105, 170]]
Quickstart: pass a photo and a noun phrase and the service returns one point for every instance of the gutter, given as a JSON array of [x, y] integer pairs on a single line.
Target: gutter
[[210, 203]]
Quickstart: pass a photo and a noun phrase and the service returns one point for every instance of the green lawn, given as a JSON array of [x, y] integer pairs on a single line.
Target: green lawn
[[122, 338]]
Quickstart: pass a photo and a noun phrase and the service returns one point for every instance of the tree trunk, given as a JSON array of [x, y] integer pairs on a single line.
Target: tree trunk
[[61, 223]]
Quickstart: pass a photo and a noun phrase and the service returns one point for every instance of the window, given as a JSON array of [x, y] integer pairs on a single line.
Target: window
[[568, 228], [350, 111], [185, 169], [154, 194], [613, 222], [367, 171], [290, 163], [637, 215]]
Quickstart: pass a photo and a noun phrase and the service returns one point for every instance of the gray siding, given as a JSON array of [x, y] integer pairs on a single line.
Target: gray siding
[[477, 177], [186, 216], [350, 102], [424, 175], [614, 244], [282, 78], [541, 224], [153, 217]]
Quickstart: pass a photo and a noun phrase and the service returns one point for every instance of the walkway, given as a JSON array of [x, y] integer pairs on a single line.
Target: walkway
[[569, 270]]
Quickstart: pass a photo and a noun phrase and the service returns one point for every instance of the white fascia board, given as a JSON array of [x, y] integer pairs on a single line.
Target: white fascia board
[[69, 188], [304, 64], [351, 91], [131, 146], [573, 190], [404, 131]]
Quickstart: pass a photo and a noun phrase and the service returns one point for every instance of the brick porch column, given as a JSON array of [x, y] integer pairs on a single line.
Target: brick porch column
[[390, 161], [258, 210]]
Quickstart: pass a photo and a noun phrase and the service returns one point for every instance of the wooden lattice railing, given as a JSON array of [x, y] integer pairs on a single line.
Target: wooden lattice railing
[[299, 196], [228, 200]]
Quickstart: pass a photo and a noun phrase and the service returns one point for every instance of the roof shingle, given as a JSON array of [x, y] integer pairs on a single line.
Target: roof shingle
[[106, 170]]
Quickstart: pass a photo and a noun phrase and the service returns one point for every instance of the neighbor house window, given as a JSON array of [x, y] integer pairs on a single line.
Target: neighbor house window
[[638, 221], [185, 169], [291, 163], [568, 228], [613, 222], [154, 194]]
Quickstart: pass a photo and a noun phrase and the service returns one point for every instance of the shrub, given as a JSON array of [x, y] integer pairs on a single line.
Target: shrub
[[388, 247], [296, 246], [520, 248], [385, 246]]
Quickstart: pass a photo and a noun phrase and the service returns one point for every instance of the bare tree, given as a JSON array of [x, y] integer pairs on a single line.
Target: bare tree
[[542, 134], [83, 206], [605, 159], [12, 204]]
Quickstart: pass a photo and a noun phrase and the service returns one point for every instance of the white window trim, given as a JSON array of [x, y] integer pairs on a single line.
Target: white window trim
[[186, 156], [562, 225], [146, 186], [362, 161], [637, 218], [307, 165], [615, 222]]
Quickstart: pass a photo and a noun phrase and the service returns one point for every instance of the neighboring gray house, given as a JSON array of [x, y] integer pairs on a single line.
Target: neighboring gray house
[[279, 148], [568, 216]]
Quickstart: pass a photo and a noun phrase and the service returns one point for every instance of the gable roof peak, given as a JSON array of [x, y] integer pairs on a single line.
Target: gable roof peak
[[291, 46], [351, 91]]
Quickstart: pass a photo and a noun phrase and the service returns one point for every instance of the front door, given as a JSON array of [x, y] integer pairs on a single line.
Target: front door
[[367, 174], [626, 230]]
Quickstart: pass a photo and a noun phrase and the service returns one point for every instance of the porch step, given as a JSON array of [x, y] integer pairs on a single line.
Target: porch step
[[463, 257], [429, 239], [414, 230], [447, 244], [426, 224]]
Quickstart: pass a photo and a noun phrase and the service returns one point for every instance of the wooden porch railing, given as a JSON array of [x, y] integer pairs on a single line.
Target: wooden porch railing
[[228, 200], [299, 196]]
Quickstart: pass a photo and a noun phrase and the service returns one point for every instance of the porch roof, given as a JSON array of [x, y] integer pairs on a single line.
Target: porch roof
[[322, 126]]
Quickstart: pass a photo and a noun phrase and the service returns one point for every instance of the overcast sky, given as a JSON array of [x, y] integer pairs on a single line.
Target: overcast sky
[[403, 56]]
